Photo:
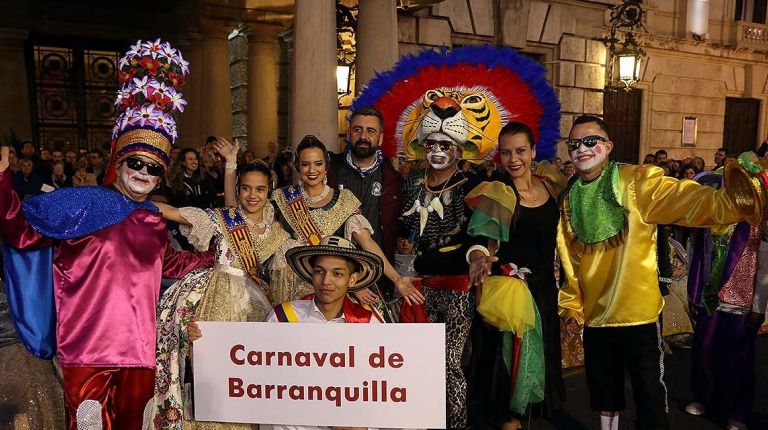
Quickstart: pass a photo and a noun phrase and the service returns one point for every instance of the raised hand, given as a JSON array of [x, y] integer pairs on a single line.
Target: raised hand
[[5, 153], [226, 149]]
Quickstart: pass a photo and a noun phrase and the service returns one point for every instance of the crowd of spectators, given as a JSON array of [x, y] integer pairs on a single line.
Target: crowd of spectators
[[687, 168], [196, 176]]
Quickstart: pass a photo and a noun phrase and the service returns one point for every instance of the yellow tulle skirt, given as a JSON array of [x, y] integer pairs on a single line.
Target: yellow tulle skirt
[[507, 304]]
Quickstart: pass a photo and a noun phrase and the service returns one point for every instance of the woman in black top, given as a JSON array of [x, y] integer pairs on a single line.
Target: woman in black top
[[530, 245], [189, 185]]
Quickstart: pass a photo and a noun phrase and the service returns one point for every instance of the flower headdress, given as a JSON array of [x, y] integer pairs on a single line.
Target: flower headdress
[[489, 86], [151, 75]]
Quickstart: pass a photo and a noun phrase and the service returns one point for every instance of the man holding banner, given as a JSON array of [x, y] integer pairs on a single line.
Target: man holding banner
[[327, 375], [334, 268]]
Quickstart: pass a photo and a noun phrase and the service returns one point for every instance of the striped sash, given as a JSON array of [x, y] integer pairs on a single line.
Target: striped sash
[[240, 240], [299, 214], [285, 313], [353, 313]]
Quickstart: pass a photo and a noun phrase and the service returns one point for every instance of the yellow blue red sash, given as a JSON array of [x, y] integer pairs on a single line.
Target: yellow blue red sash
[[353, 313], [298, 212], [239, 238]]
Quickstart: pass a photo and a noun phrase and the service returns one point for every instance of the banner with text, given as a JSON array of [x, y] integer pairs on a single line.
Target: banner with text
[[361, 375]]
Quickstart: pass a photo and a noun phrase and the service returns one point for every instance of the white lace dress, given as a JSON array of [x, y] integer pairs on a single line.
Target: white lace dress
[[225, 292]]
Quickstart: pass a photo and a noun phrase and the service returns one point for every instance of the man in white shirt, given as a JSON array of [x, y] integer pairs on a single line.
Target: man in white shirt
[[334, 268]]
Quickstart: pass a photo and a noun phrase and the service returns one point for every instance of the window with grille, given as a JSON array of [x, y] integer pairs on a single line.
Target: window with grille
[[72, 89]]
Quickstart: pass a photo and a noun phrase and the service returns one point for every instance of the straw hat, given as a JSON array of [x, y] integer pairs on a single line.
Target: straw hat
[[371, 266]]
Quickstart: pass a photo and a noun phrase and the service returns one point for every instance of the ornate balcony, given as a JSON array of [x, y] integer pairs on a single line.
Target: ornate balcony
[[749, 35]]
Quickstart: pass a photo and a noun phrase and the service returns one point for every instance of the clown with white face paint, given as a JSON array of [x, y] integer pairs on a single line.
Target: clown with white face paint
[[588, 148], [607, 245], [436, 219], [112, 250], [134, 179], [441, 151]]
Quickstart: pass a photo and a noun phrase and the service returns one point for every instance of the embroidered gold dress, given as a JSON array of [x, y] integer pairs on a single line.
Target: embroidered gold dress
[[677, 321], [233, 290], [340, 217]]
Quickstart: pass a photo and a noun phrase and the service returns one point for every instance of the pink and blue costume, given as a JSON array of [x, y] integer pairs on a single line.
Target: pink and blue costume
[[95, 258]]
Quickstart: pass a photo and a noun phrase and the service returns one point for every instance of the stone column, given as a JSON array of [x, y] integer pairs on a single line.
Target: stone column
[[190, 122], [14, 90], [216, 87], [238, 75], [697, 18], [376, 39], [314, 99], [262, 89]]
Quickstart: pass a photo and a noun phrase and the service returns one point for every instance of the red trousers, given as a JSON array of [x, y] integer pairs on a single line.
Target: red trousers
[[121, 392]]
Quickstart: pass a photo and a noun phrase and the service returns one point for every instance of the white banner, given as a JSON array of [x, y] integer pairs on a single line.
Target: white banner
[[361, 375]]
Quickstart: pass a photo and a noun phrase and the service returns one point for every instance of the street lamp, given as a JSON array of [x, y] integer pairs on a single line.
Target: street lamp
[[343, 75], [346, 27], [629, 58], [624, 62]]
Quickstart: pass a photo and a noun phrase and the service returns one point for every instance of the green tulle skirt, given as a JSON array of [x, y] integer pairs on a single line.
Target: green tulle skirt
[[506, 368]]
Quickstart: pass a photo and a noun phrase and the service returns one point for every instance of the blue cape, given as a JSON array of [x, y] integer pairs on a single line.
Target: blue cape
[[64, 214]]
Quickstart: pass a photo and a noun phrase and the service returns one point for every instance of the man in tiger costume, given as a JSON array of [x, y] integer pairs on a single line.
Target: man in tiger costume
[[435, 220], [441, 106]]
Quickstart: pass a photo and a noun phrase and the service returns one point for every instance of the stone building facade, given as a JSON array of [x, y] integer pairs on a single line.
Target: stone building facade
[[710, 78], [264, 70]]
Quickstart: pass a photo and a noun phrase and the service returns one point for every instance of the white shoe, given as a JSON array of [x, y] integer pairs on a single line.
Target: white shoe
[[695, 408], [735, 425]]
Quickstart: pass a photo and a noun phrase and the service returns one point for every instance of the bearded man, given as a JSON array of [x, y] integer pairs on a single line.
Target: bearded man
[[363, 169], [607, 244], [98, 255]]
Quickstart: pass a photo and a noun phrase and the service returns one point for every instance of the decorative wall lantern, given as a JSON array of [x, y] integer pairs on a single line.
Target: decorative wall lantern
[[346, 51], [343, 78], [624, 61]]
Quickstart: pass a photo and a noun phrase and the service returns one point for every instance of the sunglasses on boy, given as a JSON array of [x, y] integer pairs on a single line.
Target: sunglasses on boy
[[587, 141], [137, 164]]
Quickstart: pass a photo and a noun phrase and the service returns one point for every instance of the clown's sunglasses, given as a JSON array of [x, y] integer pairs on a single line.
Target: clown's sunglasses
[[444, 145], [587, 141], [152, 168]]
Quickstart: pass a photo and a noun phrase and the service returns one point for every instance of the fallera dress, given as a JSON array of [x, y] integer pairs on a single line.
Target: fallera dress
[[233, 290]]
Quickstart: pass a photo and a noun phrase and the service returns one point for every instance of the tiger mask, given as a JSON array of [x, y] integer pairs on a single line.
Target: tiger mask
[[467, 115]]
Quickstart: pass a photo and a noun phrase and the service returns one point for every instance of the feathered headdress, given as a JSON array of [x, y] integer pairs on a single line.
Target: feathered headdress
[[491, 87], [151, 75]]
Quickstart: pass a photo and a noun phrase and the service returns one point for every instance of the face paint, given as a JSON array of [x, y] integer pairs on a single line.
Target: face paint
[[441, 151], [585, 159], [137, 184], [588, 149], [440, 159]]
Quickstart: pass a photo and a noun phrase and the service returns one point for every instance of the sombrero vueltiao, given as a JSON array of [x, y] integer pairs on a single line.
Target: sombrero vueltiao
[[371, 266]]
